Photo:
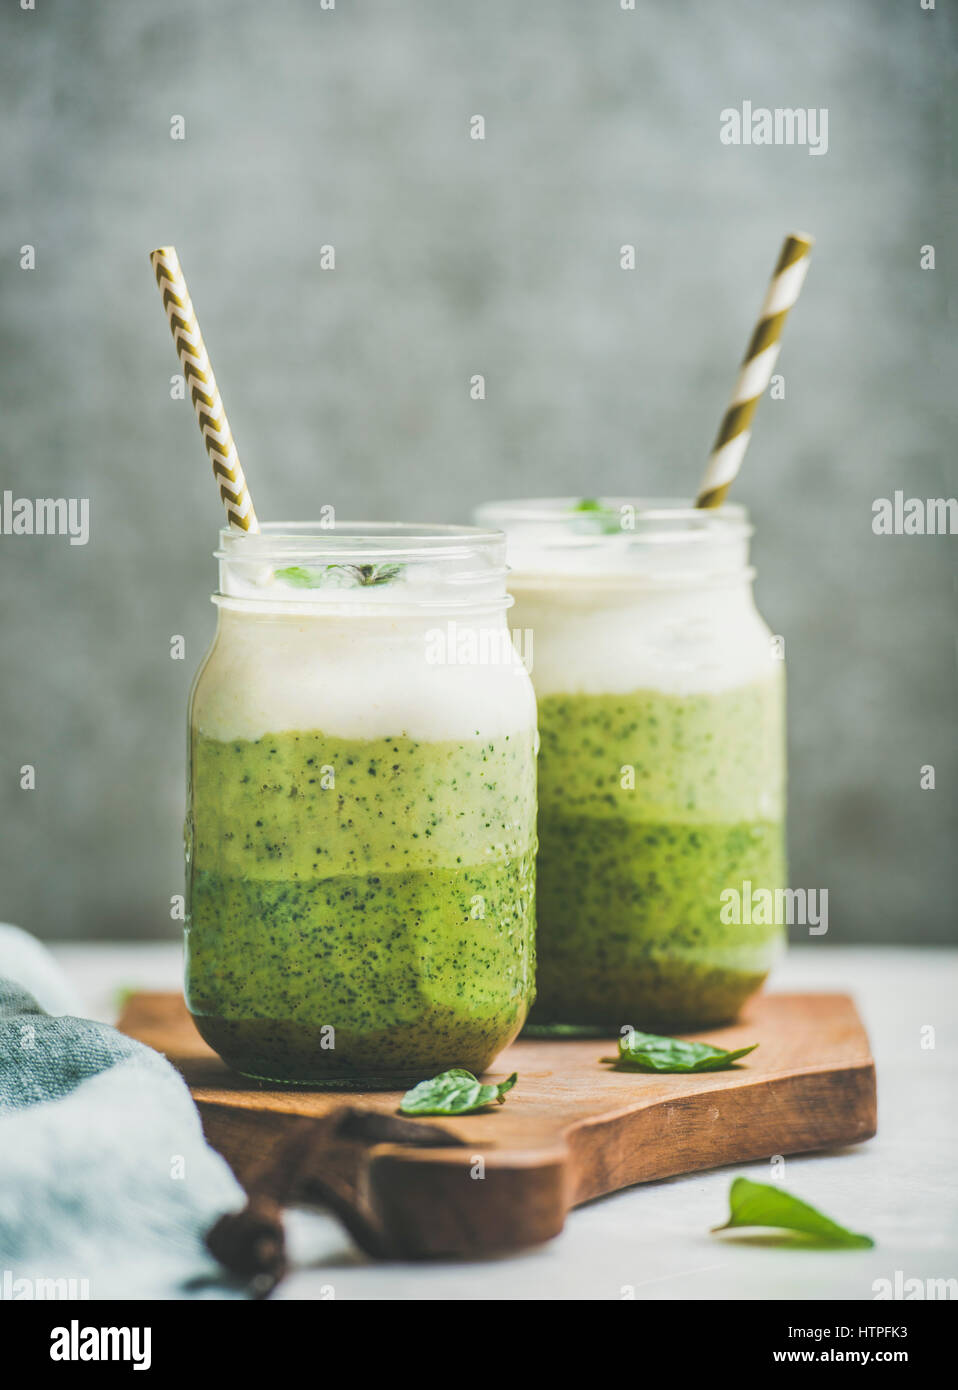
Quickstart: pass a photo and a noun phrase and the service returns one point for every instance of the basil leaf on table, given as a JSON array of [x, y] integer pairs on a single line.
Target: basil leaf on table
[[649, 1052], [455, 1092], [763, 1204]]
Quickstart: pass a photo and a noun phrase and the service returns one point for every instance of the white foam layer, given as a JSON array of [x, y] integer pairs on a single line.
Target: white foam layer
[[606, 637], [355, 677]]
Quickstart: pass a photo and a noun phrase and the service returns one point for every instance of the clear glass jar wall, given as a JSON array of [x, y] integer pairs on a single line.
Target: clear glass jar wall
[[662, 760], [361, 810]]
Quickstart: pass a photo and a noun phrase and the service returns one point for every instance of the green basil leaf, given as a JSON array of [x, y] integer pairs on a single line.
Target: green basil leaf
[[764, 1204], [338, 576], [455, 1092], [380, 574], [650, 1052], [302, 578], [596, 518], [505, 1086]]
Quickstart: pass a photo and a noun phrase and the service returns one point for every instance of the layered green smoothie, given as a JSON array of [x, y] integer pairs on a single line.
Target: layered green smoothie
[[651, 804], [361, 909]]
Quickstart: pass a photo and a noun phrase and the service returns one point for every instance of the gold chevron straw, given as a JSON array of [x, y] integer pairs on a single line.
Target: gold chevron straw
[[756, 371], [214, 426]]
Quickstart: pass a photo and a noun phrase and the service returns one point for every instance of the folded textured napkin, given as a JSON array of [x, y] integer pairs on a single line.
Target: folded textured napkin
[[105, 1177]]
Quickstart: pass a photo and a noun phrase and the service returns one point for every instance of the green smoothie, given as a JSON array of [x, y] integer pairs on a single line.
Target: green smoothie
[[650, 805], [360, 911]]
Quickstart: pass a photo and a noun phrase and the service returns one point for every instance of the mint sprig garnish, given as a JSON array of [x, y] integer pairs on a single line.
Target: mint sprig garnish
[[338, 576], [455, 1092], [649, 1052], [301, 578], [597, 517], [763, 1204]]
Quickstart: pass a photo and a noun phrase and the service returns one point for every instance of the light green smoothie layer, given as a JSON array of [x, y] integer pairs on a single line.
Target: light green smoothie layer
[[380, 888], [652, 756], [306, 805]]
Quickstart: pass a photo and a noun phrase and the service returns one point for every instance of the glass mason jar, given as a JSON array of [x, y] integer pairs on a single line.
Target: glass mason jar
[[361, 811], [662, 759]]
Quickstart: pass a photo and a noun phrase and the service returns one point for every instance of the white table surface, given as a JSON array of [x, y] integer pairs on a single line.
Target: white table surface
[[652, 1241]]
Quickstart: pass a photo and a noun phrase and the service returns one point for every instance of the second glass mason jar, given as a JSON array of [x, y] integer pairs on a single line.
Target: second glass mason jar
[[361, 820], [662, 761]]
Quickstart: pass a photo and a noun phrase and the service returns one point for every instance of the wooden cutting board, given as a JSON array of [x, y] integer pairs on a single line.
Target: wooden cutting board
[[571, 1130]]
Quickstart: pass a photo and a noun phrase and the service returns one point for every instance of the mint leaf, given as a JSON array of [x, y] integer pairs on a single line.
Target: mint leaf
[[375, 574], [762, 1204], [300, 577], [649, 1052], [338, 576], [455, 1092], [596, 517]]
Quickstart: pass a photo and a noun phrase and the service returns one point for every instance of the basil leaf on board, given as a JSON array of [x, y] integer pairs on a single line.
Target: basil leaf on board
[[455, 1092], [764, 1204], [649, 1052]]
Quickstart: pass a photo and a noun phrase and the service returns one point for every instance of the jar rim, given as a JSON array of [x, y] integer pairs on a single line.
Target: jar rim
[[651, 518], [658, 541], [360, 565], [388, 539]]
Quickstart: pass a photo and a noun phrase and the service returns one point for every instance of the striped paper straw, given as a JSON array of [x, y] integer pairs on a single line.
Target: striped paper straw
[[755, 372], [214, 426]]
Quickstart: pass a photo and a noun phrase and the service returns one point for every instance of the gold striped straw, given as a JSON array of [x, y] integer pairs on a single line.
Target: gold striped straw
[[214, 426], [755, 371]]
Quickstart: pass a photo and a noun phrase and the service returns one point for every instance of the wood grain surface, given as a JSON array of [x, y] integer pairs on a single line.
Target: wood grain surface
[[571, 1129]]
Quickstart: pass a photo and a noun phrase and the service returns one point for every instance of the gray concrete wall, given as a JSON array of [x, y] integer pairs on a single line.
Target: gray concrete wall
[[350, 127]]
